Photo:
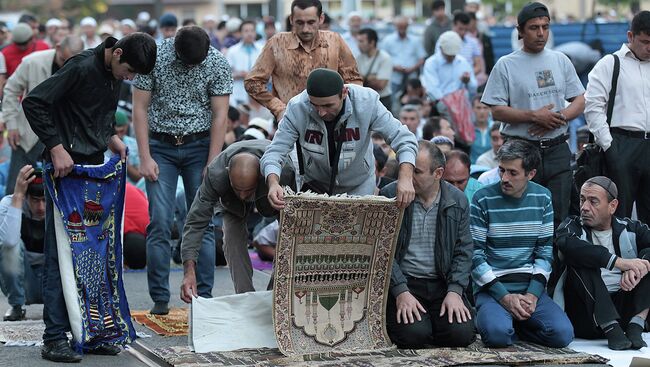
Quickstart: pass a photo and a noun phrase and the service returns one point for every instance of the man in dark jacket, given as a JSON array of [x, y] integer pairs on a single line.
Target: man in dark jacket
[[232, 185], [430, 272], [605, 284], [73, 114]]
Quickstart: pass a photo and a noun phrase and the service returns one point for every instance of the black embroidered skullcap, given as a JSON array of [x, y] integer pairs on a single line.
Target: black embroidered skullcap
[[605, 183], [324, 83]]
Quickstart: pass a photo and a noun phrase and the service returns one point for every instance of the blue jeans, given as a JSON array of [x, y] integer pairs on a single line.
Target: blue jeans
[[548, 325], [188, 161], [20, 281], [55, 314]]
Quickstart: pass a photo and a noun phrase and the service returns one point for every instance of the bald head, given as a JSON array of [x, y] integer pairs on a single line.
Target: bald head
[[244, 172], [68, 47]]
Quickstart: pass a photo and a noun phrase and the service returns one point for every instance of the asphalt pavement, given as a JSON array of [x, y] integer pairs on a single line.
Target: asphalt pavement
[[135, 283]]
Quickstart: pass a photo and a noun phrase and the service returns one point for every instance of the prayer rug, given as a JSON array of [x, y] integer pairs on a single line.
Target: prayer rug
[[333, 265], [172, 324], [88, 216], [475, 354]]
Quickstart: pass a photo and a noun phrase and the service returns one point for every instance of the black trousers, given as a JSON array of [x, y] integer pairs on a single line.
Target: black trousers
[[627, 166], [432, 329], [554, 173], [589, 304]]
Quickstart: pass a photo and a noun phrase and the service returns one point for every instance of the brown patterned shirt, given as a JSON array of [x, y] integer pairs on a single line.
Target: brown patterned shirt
[[288, 63]]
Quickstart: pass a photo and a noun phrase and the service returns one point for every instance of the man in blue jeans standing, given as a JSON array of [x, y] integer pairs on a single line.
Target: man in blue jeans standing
[[511, 223], [179, 114]]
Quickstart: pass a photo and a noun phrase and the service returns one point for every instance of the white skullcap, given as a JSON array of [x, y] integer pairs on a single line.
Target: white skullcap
[[450, 43], [88, 21]]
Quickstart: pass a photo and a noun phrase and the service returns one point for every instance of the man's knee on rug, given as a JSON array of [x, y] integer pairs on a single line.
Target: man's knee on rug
[[411, 335], [430, 271]]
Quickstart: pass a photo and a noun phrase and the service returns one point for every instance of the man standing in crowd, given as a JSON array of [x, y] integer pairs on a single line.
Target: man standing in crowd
[[89, 32], [439, 24], [34, 69], [351, 37], [242, 57], [482, 123], [605, 285], [233, 184], [427, 303], [73, 114], [375, 65], [179, 115], [528, 90], [470, 48], [625, 142], [445, 72], [333, 123], [22, 216], [512, 226], [409, 116], [489, 158], [288, 57], [407, 54], [22, 44]]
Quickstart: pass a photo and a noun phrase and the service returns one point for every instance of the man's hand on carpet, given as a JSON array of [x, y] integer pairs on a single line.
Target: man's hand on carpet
[[629, 280], [188, 287], [61, 161], [408, 307], [529, 302], [276, 192], [512, 303], [453, 305]]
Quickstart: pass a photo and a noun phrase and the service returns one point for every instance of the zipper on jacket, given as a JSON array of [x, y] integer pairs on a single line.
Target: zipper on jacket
[[74, 135]]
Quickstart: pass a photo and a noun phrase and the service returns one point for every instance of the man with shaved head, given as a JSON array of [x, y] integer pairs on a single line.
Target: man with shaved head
[[232, 185]]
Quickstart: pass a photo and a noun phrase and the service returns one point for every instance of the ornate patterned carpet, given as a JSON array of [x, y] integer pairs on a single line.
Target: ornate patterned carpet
[[173, 324], [332, 264], [475, 354]]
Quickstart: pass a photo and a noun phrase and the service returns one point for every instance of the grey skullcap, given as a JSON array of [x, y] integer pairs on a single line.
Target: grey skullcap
[[22, 33], [324, 83], [608, 185]]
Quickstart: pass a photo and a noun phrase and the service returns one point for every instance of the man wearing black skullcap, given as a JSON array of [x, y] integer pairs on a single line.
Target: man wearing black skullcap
[[22, 224], [604, 286], [528, 90], [333, 123]]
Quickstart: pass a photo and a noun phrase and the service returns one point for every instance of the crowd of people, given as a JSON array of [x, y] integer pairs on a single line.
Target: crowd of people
[[215, 121]]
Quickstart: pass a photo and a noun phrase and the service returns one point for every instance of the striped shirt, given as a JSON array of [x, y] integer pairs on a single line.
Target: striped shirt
[[513, 240], [419, 260]]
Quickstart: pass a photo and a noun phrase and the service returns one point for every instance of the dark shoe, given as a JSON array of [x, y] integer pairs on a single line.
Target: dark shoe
[[15, 313], [60, 351], [159, 308], [616, 339], [105, 350], [634, 332]]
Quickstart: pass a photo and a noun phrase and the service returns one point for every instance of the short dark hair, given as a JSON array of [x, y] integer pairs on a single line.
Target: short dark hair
[[139, 51], [380, 156], [188, 21], [414, 83], [192, 45], [431, 127], [478, 97], [435, 154], [438, 4], [327, 19], [461, 156], [471, 15], [641, 23], [233, 113], [27, 18], [371, 34], [520, 149], [496, 126], [304, 4], [247, 21], [460, 17]]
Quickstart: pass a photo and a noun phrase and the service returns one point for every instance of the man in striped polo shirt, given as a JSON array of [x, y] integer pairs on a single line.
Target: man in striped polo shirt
[[512, 226]]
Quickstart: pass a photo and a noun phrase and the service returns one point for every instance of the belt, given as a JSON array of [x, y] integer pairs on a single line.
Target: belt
[[632, 134], [544, 143], [179, 139]]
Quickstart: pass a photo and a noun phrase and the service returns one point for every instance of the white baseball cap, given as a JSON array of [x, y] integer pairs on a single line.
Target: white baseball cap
[[53, 23], [88, 21]]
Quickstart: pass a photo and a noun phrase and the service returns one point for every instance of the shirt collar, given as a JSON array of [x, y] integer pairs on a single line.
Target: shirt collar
[[319, 41], [625, 50]]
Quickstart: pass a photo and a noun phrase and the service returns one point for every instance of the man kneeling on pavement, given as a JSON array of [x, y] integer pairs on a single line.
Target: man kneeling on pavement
[[426, 305], [604, 286], [22, 227]]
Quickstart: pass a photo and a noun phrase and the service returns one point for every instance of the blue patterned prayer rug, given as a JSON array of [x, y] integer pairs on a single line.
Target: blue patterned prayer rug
[[89, 205]]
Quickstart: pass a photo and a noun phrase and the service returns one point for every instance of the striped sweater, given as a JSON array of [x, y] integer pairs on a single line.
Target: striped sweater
[[513, 240]]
